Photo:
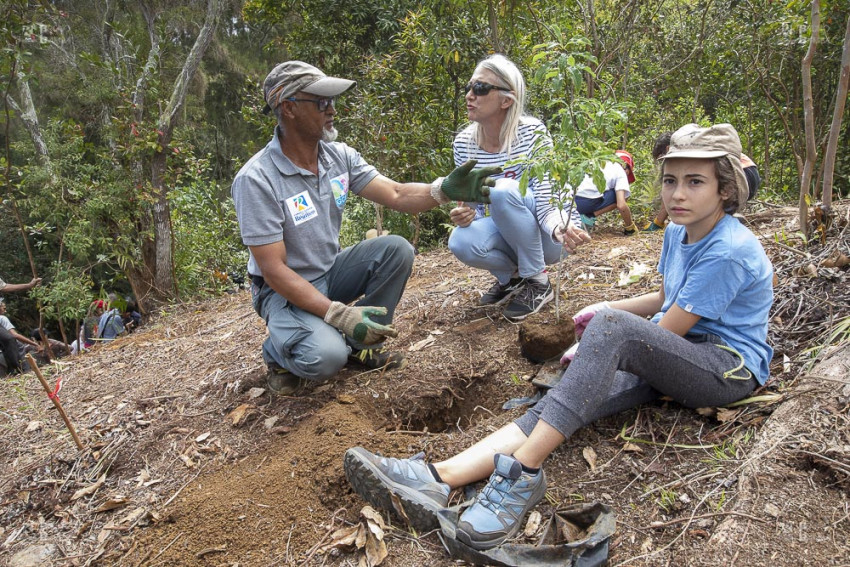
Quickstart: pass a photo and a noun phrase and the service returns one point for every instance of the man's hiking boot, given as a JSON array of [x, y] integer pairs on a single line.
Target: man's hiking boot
[[499, 293], [529, 300], [499, 509], [282, 382], [385, 482], [378, 357], [652, 227]]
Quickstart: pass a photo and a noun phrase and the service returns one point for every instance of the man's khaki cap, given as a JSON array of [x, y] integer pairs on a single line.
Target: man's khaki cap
[[292, 77]]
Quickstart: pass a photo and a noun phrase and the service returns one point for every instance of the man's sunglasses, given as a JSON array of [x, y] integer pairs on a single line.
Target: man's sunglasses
[[321, 103], [483, 89]]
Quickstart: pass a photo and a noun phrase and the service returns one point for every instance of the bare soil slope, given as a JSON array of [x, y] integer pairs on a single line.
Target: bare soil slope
[[189, 461]]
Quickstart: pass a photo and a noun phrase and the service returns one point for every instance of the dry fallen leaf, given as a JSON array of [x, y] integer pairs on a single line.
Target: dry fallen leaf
[[399, 507], [135, 516], [533, 523], [376, 551], [806, 271], [34, 426], [618, 251], [346, 399], [241, 414], [91, 489], [426, 342], [254, 393], [632, 448], [343, 537], [202, 437], [590, 456], [725, 415], [837, 260], [112, 503]]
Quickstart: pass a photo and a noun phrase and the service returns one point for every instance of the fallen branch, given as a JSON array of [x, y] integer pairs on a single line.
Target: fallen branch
[[656, 525]]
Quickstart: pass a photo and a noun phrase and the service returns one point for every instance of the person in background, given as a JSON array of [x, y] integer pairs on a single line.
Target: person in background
[[9, 288], [289, 200], [89, 328], [618, 177], [110, 325], [701, 339], [10, 339], [660, 148], [522, 234], [58, 348]]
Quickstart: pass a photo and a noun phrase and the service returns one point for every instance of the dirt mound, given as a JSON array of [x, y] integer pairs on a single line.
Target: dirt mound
[[190, 462]]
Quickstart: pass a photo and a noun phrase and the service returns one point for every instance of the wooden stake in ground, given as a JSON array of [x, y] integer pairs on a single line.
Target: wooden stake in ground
[[55, 400]]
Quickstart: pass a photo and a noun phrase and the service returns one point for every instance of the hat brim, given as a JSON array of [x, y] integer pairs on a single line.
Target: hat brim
[[698, 154], [329, 86]]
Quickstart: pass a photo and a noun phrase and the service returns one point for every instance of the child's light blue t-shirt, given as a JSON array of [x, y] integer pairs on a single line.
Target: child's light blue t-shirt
[[726, 279]]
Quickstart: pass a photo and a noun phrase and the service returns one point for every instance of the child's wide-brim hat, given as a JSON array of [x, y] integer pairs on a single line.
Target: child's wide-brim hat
[[720, 140]]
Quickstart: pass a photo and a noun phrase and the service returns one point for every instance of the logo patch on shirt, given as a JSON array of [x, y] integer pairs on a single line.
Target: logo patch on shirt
[[301, 208], [339, 185]]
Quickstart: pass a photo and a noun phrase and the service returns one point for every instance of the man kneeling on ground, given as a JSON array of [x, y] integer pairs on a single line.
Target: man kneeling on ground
[[289, 200]]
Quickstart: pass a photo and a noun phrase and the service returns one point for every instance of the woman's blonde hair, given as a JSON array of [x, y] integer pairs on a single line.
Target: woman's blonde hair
[[509, 76]]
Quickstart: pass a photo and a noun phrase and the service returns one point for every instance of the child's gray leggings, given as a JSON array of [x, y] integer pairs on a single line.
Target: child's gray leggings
[[625, 360]]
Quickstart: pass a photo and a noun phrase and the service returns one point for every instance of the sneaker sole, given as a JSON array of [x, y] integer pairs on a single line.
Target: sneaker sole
[[375, 488], [484, 544], [520, 316]]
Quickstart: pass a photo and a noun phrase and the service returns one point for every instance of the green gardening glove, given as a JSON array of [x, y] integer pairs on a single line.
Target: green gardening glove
[[470, 185], [356, 323]]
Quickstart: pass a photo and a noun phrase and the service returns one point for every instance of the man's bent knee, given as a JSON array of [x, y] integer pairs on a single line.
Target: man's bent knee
[[320, 364]]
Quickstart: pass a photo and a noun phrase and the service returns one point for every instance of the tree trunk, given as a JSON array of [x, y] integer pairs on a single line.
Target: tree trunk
[[152, 279], [766, 161], [29, 117], [809, 117], [593, 31], [835, 128], [164, 283], [493, 16]]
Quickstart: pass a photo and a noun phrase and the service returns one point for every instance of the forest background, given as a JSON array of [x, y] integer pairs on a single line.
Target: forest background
[[124, 122]]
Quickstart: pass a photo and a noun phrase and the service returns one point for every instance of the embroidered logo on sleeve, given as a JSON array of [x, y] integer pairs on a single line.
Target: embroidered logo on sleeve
[[301, 208], [339, 185]]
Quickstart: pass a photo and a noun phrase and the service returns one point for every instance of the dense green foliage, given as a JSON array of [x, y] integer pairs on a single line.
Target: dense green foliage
[[601, 74]]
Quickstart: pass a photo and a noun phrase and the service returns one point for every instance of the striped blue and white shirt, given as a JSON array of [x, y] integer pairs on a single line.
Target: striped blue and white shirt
[[530, 131]]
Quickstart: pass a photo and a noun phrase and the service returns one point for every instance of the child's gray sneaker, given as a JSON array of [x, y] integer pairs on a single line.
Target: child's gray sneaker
[[498, 510], [376, 478]]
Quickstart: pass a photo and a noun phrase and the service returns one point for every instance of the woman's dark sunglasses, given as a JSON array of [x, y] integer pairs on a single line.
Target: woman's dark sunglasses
[[483, 89], [321, 103]]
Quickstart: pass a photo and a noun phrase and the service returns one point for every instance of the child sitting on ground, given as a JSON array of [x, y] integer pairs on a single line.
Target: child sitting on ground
[[705, 345]]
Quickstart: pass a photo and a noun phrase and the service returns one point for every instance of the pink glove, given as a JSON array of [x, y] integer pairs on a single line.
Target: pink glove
[[583, 317], [569, 355]]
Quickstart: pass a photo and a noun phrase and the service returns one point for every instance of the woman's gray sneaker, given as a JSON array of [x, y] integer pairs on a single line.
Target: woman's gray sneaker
[[376, 478], [498, 293], [499, 509]]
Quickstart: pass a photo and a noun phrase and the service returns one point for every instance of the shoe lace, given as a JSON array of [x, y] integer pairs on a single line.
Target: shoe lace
[[499, 485]]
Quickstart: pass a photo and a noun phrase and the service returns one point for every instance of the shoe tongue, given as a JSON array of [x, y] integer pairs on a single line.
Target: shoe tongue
[[507, 467]]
